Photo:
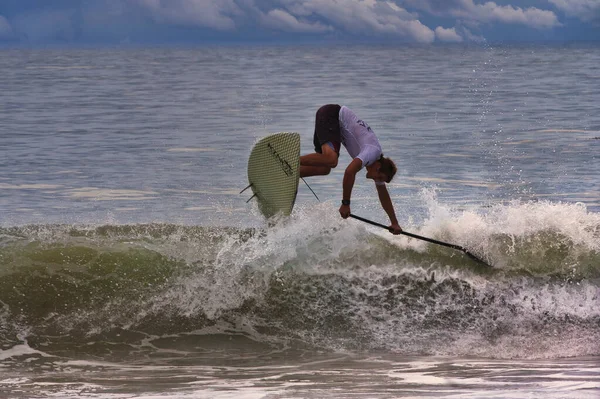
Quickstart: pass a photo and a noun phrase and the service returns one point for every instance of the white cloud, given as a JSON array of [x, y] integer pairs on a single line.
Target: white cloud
[[207, 13], [448, 35], [371, 17], [402, 20], [586, 10], [534, 17], [6, 31], [282, 20], [355, 17], [489, 12]]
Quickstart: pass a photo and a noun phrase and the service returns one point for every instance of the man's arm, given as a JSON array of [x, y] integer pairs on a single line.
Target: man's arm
[[388, 207], [349, 177]]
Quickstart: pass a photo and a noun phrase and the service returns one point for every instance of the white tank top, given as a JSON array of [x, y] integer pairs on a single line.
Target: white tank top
[[358, 138]]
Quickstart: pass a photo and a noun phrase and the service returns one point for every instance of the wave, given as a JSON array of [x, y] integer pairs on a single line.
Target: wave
[[312, 280]]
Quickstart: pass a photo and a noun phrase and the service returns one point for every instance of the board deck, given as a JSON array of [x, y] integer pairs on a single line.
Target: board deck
[[274, 171]]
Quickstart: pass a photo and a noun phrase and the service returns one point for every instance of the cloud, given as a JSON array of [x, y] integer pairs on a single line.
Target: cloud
[[492, 12], [448, 35], [242, 20], [370, 17], [282, 20], [469, 12], [353, 17], [6, 31], [586, 10]]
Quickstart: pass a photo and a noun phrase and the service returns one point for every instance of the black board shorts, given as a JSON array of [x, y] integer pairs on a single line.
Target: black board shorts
[[327, 127]]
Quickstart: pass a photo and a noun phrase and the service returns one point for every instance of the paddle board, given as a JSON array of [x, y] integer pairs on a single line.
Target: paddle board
[[274, 171]]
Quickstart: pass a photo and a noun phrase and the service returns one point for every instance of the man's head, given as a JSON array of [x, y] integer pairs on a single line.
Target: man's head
[[383, 170]]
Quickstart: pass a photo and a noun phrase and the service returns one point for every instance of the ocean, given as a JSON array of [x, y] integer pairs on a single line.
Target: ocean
[[132, 267]]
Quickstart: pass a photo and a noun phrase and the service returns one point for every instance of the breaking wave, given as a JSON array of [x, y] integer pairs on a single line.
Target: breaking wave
[[311, 281]]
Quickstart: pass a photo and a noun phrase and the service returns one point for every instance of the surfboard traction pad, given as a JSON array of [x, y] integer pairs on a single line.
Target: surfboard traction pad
[[274, 172]]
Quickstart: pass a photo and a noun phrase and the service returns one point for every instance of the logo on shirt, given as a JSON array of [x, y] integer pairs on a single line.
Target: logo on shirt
[[285, 166], [364, 124]]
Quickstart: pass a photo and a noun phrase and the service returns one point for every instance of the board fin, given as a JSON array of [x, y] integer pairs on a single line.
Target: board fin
[[247, 187]]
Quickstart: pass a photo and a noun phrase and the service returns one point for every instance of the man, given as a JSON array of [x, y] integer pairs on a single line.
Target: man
[[335, 126]]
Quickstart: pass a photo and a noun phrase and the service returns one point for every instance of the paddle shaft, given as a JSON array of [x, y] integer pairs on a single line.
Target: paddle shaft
[[418, 237]]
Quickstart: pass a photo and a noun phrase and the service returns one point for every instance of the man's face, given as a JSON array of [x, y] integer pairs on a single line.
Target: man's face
[[374, 172]]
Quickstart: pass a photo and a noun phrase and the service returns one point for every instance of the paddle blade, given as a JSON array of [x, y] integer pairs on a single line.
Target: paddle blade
[[476, 259]]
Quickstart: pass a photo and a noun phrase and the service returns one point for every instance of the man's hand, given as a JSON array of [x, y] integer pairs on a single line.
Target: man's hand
[[345, 211], [394, 228]]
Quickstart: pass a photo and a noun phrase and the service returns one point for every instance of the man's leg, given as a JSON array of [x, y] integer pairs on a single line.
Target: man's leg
[[327, 139], [308, 171], [318, 164]]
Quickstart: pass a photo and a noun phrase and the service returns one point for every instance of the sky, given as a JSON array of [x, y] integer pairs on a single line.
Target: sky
[[46, 22]]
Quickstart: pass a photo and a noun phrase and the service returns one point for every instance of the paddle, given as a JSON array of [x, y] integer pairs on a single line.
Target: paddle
[[445, 244]]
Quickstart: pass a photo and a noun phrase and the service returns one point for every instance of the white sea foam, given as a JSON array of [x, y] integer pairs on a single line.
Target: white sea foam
[[20, 350]]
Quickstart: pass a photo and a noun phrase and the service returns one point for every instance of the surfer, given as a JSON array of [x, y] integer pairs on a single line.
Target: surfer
[[337, 125]]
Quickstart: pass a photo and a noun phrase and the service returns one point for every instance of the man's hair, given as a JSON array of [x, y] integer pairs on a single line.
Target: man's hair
[[388, 167]]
